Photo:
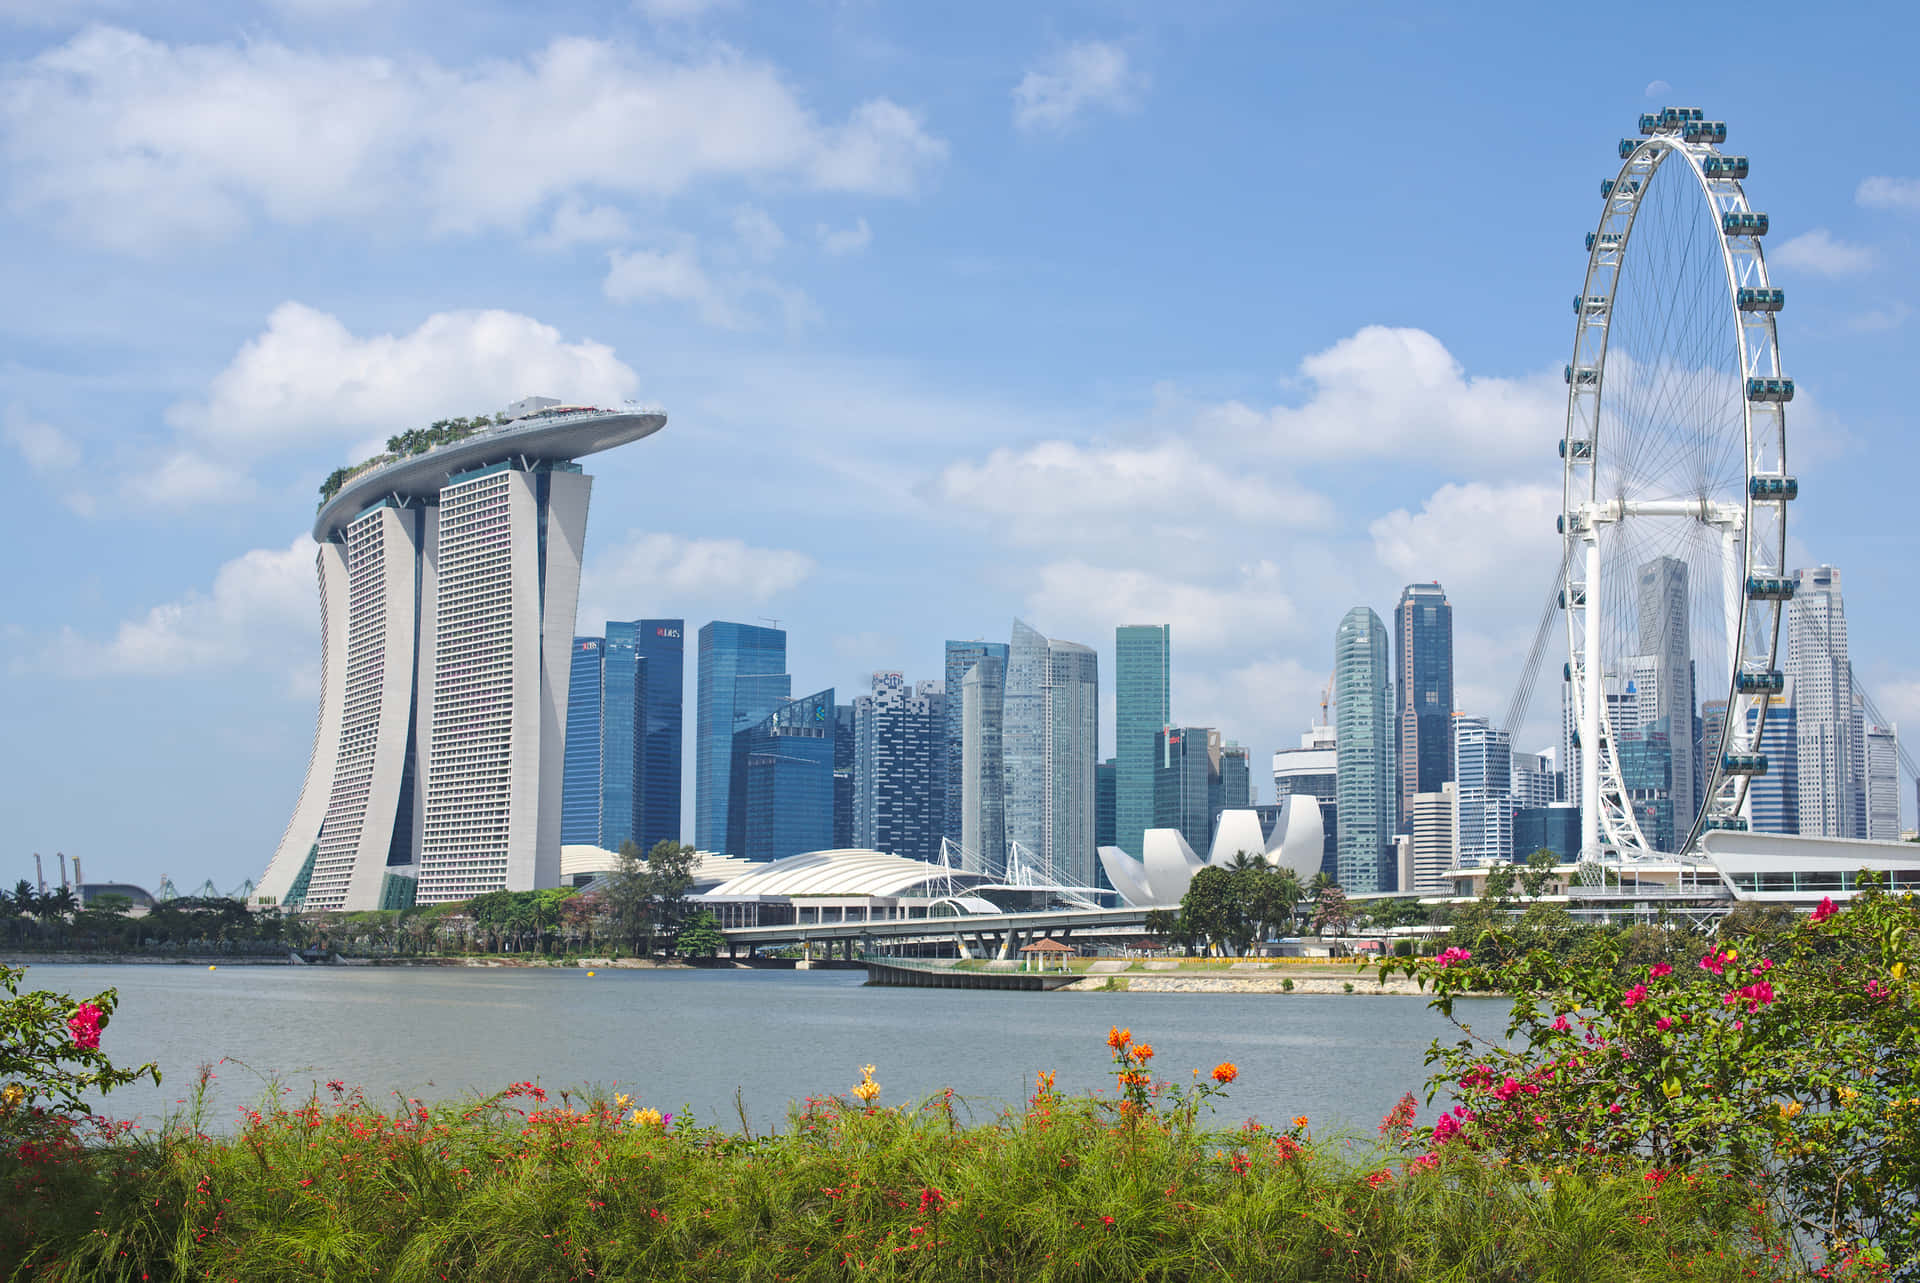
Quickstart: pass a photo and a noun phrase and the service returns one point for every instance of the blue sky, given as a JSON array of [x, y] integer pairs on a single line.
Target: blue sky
[[1228, 315]]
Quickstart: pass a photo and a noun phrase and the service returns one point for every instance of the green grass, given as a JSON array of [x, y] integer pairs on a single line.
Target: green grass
[[571, 1188]]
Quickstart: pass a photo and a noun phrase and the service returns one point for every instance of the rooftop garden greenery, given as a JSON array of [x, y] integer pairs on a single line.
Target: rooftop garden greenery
[[409, 443]]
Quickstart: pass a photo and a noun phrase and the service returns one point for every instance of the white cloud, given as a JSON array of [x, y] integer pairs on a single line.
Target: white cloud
[[1059, 490], [184, 478], [1889, 193], [1081, 77], [1875, 320], [45, 448], [724, 301], [262, 609], [1819, 252], [679, 10], [1400, 393], [1657, 88], [841, 241], [307, 378], [1247, 612], [138, 143], [1475, 539], [1277, 691], [759, 235], [575, 222], [321, 8], [648, 570]]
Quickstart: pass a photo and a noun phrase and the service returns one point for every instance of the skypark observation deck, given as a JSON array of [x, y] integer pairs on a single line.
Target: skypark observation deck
[[546, 436]]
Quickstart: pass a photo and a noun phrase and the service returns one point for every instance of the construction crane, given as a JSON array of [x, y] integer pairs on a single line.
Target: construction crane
[[1326, 698], [39, 873]]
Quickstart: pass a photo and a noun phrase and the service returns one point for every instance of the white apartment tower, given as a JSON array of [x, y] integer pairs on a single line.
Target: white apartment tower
[[1822, 678], [448, 582]]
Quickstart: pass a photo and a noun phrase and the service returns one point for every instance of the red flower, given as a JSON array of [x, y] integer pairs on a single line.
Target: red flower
[[1657, 970], [1824, 910], [84, 1024], [1634, 996]]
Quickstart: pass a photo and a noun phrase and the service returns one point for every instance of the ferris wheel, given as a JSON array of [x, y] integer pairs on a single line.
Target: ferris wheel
[[1674, 502]]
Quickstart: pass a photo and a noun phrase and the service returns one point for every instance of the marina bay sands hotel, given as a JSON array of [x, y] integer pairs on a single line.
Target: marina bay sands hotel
[[449, 574]]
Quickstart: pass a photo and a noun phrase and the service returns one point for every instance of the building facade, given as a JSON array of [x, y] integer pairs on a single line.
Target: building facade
[[1822, 678], [1050, 738], [742, 677], [1773, 799], [1365, 759], [1666, 692], [899, 773], [1313, 769], [781, 799], [1483, 793], [1105, 819], [1143, 705], [1430, 829], [961, 656], [1423, 694], [448, 582], [580, 782], [983, 817], [1881, 755], [1186, 784], [1554, 828]]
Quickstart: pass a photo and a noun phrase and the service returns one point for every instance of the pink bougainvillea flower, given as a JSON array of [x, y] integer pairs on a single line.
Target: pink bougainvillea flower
[[1634, 996], [1448, 957], [1663, 1024], [1715, 963], [84, 1025], [1659, 969], [1824, 910], [1560, 1023]]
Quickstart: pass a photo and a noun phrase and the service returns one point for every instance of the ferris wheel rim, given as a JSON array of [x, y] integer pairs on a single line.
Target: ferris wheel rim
[[1586, 380]]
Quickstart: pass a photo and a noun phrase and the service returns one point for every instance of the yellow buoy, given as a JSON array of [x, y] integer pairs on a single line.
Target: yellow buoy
[[210, 967]]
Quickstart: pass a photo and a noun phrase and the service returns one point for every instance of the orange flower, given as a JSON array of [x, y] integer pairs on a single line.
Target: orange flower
[[1225, 1072], [1142, 1052], [1299, 1120], [1118, 1037]]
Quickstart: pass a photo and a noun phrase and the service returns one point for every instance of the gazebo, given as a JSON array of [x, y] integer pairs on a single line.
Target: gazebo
[[1041, 950]]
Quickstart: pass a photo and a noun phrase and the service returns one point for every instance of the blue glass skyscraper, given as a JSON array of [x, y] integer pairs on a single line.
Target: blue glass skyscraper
[[624, 688], [580, 776], [661, 645], [781, 802], [1142, 685], [742, 678], [1423, 694], [1363, 752], [961, 657]]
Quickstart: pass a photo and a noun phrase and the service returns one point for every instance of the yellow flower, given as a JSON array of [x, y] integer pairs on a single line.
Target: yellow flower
[[1898, 970], [621, 1100], [10, 1097], [866, 1089], [866, 1073], [645, 1118]]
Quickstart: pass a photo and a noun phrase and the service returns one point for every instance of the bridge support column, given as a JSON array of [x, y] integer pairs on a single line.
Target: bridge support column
[[1010, 944], [960, 944]]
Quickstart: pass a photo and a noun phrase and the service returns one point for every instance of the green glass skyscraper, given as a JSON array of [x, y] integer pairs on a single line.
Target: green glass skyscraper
[[1363, 752], [1143, 667]]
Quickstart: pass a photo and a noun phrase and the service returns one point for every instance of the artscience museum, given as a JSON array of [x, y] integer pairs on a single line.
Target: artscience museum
[[1161, 878]]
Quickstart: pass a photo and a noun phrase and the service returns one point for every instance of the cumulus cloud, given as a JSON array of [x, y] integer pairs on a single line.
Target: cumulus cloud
[[307, 378], [1082, 77], [1400, 393], [575, 222], [1471, 537], [1058, 489], [1245, 611], [1271, 692], [138, 143], [649, 570], [262, 608], [841, 241], [675, 276], [1658, 88], [46, 449], [1889, 193], [183, 478], [1821, 253]]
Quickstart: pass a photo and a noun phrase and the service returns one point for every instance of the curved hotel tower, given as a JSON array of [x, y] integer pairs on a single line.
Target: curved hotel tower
[[448, 581]]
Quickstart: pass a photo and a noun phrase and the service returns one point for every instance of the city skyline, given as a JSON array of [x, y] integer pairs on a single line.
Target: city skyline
[[913, 397]]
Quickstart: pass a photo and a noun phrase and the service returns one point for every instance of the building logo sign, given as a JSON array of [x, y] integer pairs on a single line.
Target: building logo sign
[[666, 632]]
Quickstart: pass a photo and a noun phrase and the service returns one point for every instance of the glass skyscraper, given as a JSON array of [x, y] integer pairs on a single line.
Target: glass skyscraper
[[983, 815], [781, 799], [1822, 679], [1103, 799], [580, 777], [1774, 798], [623, 712], [1143, 667], [1423, 694], [899, 767], [1186, 785], [742, 678], [961, 657], [1363, 752], [622, 779], [1050, 738], [1483, 793]]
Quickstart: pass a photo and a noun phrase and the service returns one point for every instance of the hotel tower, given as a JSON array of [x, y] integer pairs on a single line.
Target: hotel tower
[[448, 581]]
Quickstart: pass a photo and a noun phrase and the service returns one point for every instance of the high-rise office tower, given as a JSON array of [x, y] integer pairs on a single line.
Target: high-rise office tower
[[1535, 782], [1483, 793], [1142, 683], [961, 657], [1313, 769], [1050, 738], [1822, 678], [1554, 828], [1430, 823], [1423, 694], [1360, 678], [983, 818], [448, 581], [1882, 776], [1774, 798], [1236, 779], [1665, 636], [1104, 818], [623, 713], [899, 767], [843, 762], [1186, 785], [661, 647], [1858, 738], [742, 678], [580, 782], [781, 799]]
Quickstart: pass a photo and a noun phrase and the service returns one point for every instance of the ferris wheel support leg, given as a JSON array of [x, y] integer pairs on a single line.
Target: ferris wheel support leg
[[1734, 589], [1591, 696]]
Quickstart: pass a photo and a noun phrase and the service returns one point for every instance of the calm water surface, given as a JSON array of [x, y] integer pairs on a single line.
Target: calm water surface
[[687, 1039]]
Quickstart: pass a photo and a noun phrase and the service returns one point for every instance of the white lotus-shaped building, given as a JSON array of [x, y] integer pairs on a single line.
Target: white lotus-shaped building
[[1161, 878]]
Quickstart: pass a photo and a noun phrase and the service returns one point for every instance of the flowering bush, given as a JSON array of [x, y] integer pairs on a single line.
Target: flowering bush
[[50, 1056], [1794, 1066]]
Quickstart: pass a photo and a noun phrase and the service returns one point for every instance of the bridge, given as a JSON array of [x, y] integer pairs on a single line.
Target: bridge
[[976, 935]]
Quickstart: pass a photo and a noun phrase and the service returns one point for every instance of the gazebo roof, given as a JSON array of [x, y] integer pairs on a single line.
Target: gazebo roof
[[1046, 946]]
